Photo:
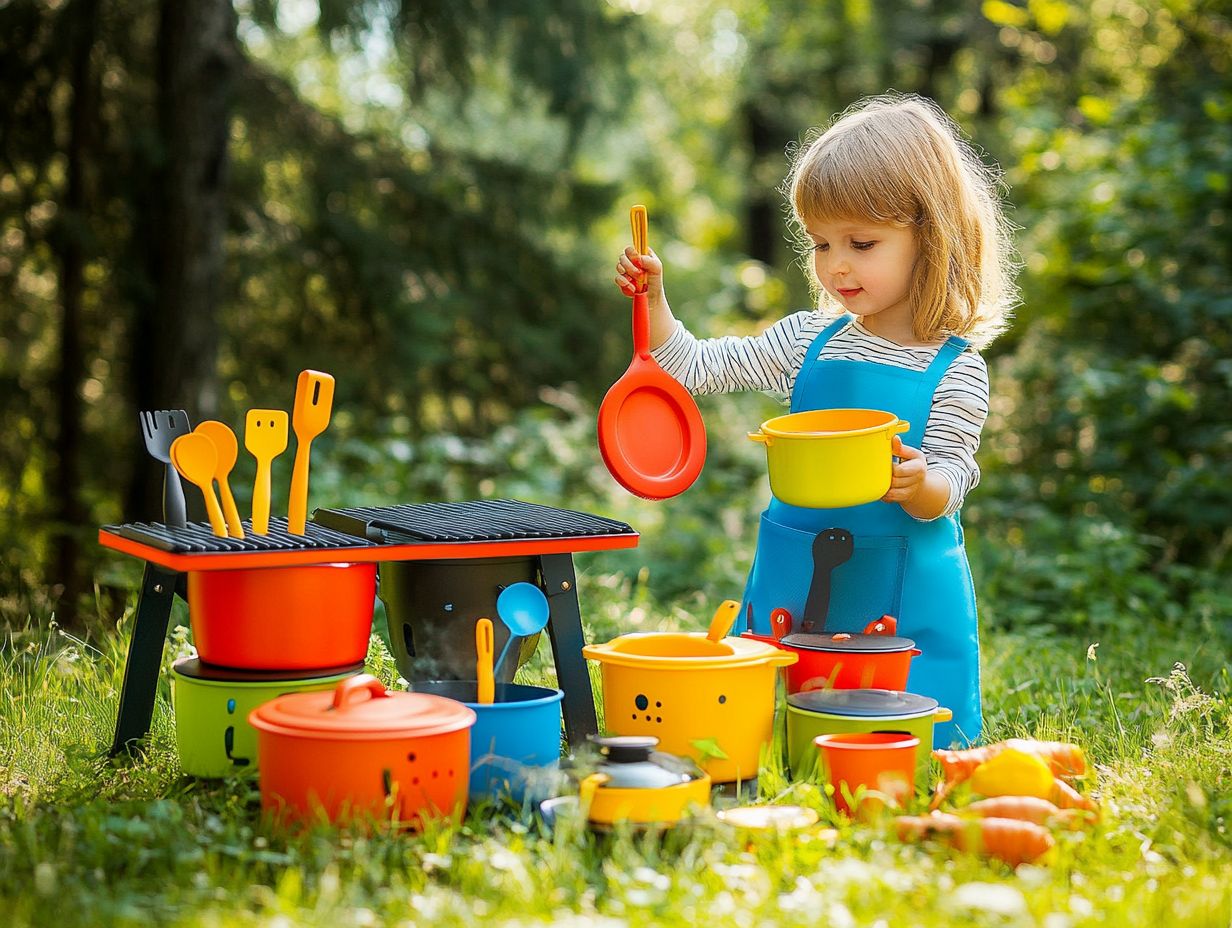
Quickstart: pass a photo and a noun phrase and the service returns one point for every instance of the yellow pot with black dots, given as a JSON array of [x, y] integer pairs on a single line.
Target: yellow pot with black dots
[[711, 701]]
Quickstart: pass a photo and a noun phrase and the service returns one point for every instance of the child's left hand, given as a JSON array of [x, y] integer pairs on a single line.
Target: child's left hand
[[908, 475]]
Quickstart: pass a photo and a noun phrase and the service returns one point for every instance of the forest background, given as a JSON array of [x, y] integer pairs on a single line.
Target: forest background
[[200, 198]]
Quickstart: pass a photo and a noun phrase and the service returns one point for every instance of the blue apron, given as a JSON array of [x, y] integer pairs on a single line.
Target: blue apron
[[915, 571]]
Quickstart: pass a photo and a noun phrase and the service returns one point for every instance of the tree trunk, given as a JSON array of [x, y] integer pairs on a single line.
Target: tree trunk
[[175, 340], [70, 244]]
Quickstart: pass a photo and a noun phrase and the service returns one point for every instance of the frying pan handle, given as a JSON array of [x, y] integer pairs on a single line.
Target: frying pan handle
[[349, 690], [641, 326]]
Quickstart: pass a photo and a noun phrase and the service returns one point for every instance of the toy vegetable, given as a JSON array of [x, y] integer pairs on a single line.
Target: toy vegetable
[[1008, 840], [1063, 759], [1013, 773], [1029, 809]]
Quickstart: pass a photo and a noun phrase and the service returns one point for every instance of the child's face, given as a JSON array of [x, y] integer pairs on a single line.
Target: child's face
[[867, 267]]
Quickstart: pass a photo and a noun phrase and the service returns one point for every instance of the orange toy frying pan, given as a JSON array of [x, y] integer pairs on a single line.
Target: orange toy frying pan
[[651, 434]]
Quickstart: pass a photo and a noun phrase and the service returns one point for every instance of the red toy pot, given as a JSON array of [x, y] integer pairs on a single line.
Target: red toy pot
[[883, 761], [363, 752], [874, 659], [282, 618]]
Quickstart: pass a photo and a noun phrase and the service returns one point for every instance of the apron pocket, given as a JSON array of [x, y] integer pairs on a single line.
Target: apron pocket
[[779, 579], [869, 585]]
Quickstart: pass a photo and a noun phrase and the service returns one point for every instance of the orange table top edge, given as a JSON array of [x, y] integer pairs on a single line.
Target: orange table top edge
[[418, 551]]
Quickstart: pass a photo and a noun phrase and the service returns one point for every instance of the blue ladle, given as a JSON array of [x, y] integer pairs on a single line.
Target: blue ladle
[[524, 610]]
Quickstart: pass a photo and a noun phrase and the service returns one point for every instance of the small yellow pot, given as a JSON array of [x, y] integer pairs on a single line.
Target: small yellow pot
[[608, 805], [830, 458], [710, 701]]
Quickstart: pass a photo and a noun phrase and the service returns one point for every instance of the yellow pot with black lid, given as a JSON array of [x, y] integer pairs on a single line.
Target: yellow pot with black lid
[[704, 696], [830, 458]]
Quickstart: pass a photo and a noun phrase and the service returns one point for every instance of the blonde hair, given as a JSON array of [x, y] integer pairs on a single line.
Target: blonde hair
[[898, 159]]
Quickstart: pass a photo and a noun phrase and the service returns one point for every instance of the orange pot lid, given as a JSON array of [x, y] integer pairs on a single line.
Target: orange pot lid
[[361, 708]]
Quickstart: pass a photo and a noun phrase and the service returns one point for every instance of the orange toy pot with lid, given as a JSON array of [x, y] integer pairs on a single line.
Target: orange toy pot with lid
[[361, 751], [711, 701]]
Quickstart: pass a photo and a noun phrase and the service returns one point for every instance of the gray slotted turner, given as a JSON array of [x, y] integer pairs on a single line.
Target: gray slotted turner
[[160, 428]]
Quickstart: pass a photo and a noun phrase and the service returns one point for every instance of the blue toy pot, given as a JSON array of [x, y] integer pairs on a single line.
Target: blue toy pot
[[515, 742]]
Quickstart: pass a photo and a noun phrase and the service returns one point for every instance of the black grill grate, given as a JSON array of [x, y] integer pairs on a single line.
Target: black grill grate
[[197, 538], [477, 520]]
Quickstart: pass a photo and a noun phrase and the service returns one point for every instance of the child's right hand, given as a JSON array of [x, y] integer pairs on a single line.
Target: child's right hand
[[631, 268]]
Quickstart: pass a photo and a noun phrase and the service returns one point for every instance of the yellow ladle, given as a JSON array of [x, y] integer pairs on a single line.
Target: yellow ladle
[[228, 450], [196, 458]]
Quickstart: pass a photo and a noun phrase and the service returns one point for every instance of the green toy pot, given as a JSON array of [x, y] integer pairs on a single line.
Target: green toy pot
[[211, 711], [833, 712]]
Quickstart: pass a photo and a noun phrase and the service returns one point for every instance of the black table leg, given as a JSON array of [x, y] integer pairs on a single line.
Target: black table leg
[[145, 657], [565, 633]]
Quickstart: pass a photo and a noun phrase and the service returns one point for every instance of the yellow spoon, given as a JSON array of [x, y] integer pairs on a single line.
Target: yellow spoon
[[314, 398], [228, 450], [196, 458], [265, 437], [484, 642]]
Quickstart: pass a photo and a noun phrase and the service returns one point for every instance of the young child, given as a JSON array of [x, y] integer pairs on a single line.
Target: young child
[[912, 257]]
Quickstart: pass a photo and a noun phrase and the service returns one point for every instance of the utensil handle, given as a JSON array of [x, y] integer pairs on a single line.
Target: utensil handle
[[297, 506], [175, 512], [500, 658], [637, 219], [235, 528], [212, 509], [724, 618], [261, 498], [641, 326], [483, 663]]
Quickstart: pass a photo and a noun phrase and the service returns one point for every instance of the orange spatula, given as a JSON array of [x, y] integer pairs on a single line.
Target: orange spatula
[[196, 458], [228, 450], [265, 437], [314, 398]]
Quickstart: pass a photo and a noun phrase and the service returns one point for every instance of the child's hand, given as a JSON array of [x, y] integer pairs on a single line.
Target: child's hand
[[908, 475], [632, 268]]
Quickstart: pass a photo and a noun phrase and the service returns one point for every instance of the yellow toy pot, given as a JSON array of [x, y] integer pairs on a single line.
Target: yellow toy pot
[[830, 458], [712, 701]]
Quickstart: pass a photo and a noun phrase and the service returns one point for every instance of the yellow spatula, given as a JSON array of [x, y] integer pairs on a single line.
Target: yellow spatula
[[228, 450], [265, 437], [314, 398], [196, 458]]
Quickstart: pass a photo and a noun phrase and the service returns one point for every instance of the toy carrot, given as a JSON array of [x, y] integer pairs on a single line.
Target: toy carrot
[[1029, 809], [1067, 797], [1008, 840], [1063, 758]]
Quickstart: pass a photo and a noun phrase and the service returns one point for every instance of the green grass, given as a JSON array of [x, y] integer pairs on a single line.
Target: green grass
[[88, 841]]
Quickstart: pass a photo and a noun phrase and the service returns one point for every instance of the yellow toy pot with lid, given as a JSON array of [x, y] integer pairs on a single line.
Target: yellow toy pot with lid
[[641, 786], [830, 458], [706, 699]]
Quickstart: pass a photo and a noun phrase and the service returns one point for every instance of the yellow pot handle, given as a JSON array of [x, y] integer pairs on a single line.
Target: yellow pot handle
[[588, 787], [760, 437], [783, 658], [899, 427], [942, 714]]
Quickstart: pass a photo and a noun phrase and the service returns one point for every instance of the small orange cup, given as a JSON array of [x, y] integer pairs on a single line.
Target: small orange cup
[[882, 761]]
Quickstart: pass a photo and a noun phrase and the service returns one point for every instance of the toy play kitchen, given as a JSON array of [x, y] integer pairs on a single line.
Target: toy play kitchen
[[828, 711], [267, 599], [703, 695], [362, 751]]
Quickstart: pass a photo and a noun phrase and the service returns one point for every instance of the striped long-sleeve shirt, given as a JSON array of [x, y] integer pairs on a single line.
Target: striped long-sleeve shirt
[[770, 362]]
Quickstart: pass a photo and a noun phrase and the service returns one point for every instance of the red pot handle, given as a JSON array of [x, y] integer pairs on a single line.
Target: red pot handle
[[886, 625], [349, 689]]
